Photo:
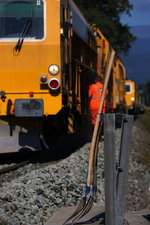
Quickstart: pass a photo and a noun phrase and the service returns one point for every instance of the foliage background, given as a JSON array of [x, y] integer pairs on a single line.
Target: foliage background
[[106, 15]]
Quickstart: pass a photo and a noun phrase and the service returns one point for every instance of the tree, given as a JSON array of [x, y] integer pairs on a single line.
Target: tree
[[106, 14], [148, 87]]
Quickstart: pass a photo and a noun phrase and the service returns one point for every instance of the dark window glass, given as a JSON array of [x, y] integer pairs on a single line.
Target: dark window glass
[[15, 14], [128, 88]]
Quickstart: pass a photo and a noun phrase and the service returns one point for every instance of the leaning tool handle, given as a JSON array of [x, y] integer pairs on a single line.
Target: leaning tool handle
[[96, 127], [94, 186]]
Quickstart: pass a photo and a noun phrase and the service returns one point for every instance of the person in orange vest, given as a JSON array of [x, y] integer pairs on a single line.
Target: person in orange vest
[[95, 95]]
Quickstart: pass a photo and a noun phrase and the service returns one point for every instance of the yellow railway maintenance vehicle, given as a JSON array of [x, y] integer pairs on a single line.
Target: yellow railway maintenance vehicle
[[48, 52], [116, 86], [131, 97], [103, 50], [118, 92], [49, 56]]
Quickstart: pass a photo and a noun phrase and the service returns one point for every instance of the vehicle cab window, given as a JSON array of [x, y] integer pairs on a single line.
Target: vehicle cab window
[[25, 16], [128, 88]]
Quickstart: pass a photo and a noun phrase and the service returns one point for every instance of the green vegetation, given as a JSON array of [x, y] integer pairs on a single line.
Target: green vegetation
[[145, 119], [148, 86], [106, 15], [145, 152], [145, 158]]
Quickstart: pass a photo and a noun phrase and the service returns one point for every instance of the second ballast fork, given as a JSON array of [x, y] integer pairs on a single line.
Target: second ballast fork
[[84, 206], [90, 190]]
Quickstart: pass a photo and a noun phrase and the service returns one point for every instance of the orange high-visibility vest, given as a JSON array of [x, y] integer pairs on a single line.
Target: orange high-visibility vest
[[95, 95]]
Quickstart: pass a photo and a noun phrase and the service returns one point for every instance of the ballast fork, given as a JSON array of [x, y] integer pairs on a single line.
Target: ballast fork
[[92, 167], [89, 201]]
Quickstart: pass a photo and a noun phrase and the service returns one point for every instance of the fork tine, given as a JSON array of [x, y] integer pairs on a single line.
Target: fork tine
[[86, 209], [79, 208]]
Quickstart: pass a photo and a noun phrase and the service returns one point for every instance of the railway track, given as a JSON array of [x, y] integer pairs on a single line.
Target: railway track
[[15, 165], [14, 170], [36, 194], [8, 169], [11, 162]]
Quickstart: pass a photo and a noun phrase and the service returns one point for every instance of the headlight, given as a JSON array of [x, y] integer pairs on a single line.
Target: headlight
[[132, 99], [53, 69]]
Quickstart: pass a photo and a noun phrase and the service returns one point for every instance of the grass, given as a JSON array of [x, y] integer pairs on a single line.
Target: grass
[[145, 157], [145, 119], [145, 152]]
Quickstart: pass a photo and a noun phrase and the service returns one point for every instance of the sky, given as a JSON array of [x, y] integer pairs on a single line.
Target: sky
[[140, 15], [139, 22]]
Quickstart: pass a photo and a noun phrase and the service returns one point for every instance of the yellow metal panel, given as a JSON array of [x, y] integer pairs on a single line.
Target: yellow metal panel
[[51, 104], [20, 74], [119, 74], [114, 88]]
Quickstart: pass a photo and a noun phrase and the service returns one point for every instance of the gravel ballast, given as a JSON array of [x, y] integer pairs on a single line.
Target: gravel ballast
[[33, 198]]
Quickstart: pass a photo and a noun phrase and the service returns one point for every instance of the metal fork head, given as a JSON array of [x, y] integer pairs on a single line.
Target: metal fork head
[[79, 209], [85, 210]]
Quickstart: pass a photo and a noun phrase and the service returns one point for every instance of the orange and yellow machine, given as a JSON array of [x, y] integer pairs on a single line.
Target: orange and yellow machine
[[116, 86], [30, 70], [44, 70], [119, 76], [49, 55]]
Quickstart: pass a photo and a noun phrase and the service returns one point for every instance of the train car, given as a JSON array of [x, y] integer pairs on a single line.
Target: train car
[[131, 96], [44, 71], [49, 57], [103, 51], [118, 91], [116, 85]]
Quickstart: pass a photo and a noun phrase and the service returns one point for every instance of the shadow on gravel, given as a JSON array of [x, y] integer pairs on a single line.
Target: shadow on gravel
[[147, 217], [100, 218], [61, 150]]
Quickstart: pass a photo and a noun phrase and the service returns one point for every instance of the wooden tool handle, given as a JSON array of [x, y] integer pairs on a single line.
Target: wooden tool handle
[[92, 148]]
